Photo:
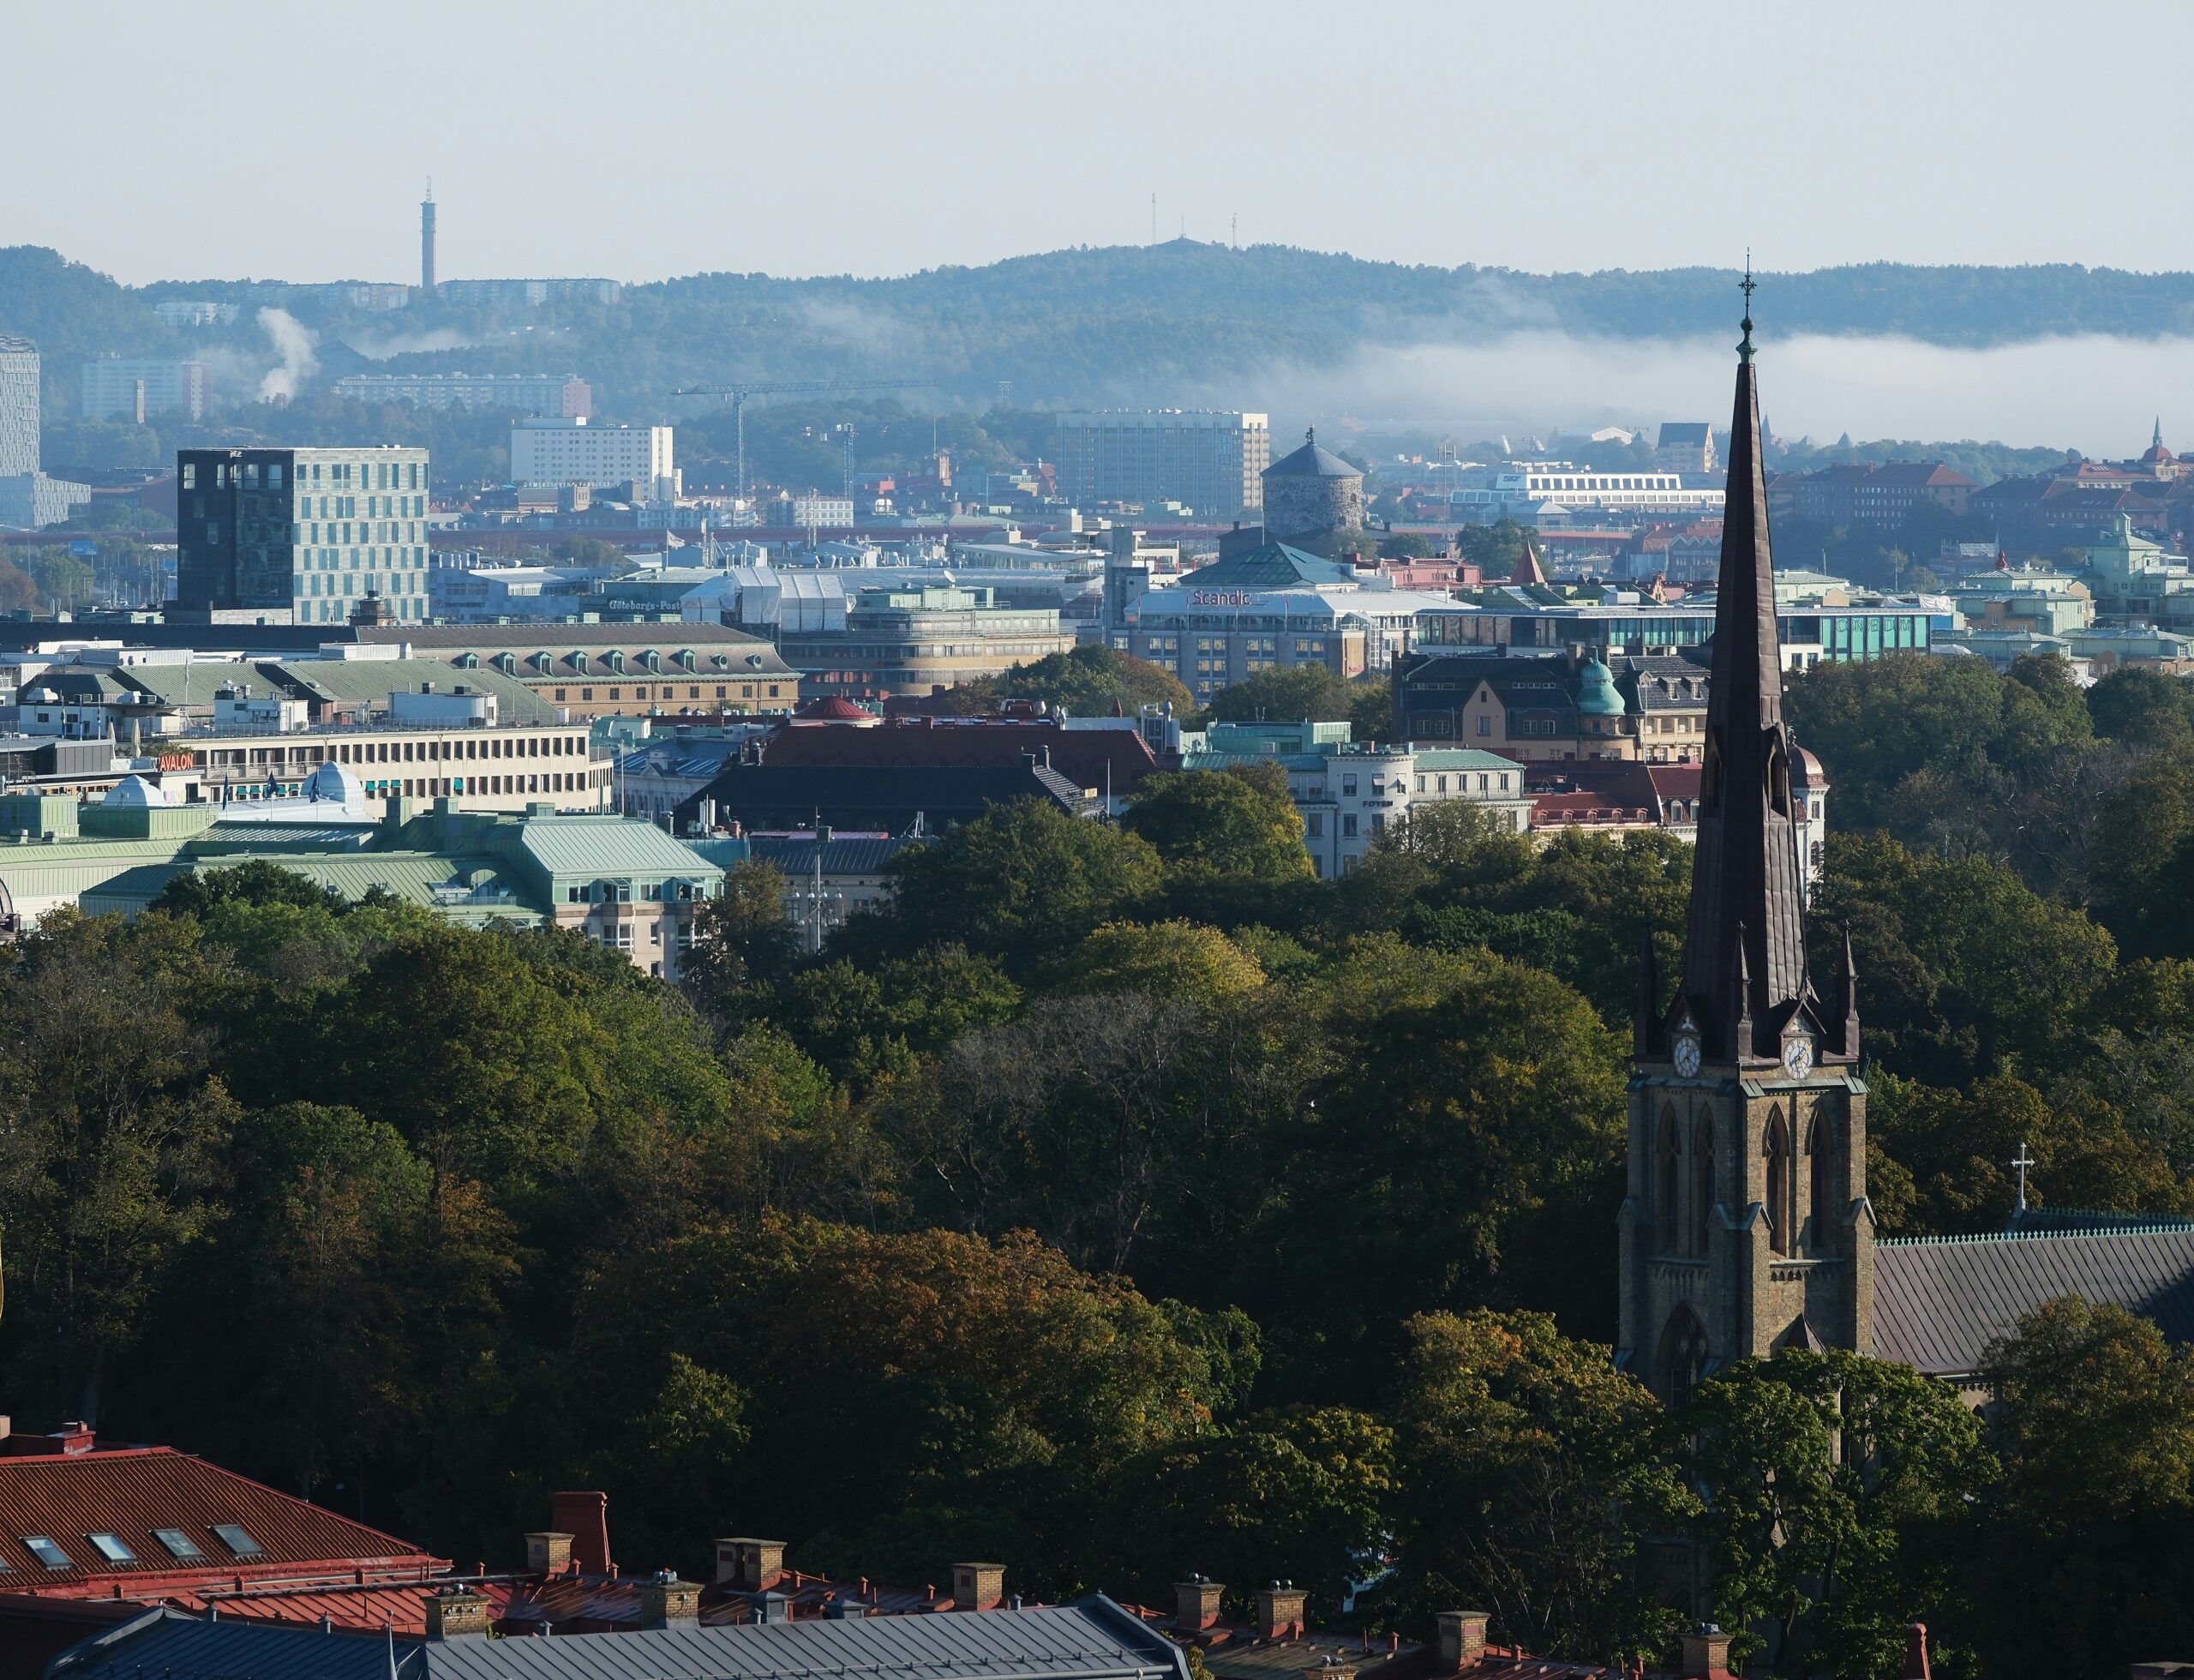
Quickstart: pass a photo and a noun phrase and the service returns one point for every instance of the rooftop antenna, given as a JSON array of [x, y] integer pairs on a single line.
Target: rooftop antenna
[[2022, 1160], [1234, 232], [1154, 218]]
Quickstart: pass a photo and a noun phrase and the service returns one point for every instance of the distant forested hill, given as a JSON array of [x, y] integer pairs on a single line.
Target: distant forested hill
[[1154, 322]]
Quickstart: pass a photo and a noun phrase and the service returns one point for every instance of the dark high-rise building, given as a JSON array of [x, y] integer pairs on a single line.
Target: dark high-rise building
[[1747, 1227], [302, 535]]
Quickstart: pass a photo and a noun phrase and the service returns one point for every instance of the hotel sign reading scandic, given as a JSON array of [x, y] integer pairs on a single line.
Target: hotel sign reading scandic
[[1220, 597]]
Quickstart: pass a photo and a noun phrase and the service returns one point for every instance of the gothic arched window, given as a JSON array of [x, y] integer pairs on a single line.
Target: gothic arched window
[[1776, 1147], [1668, 1182], [1821, 1199], [1683, 1356], [1702, 1178]]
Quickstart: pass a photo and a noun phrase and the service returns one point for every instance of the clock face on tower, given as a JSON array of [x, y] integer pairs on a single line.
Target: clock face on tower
[[1687, 1055], [1797, 1055]]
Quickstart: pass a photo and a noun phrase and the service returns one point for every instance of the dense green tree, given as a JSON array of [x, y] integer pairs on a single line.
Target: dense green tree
[[1495, 549], [113, 1142], [743, 943], [1303, 1493], [254, 881], [2143, 707], [1177, 960], [1835, 1491], [1012, 885], [1474, 1169], [1204, 824], [1963, 968], [1089, 682], [861, 1023], [1956, 1148], [2089, 1534], [1529, 1474], [1298, 693]]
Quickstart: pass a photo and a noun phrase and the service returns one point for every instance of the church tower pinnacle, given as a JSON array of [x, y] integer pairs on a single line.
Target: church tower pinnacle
[[1745, 1226]]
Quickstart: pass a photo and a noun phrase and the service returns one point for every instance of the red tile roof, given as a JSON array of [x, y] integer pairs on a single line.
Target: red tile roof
[[128, 1492]]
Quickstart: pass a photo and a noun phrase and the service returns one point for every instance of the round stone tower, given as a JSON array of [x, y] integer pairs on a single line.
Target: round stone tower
[[1315, 499]]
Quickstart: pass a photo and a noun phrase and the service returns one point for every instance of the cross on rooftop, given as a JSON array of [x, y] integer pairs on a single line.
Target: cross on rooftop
[[2022, 1160]]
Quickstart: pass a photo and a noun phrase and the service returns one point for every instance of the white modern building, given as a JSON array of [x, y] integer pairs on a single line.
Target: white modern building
[[1521, 485], [1211, 462], [567, 450], [115, 387], [28, 497], [563, 396], [822, 510], [182, 312]]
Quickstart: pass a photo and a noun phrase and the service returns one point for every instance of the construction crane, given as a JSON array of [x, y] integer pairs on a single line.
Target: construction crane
[[736, 395]]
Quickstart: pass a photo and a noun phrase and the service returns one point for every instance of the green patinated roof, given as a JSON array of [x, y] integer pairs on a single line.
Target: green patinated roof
[[585, 847], [197, 682], [1268, 566], [372, 680], [1461, 758]]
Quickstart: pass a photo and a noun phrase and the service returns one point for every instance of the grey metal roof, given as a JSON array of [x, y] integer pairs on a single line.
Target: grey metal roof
[[1091, 1639], [1312, 461], [1938, 1303], [168, 1642]]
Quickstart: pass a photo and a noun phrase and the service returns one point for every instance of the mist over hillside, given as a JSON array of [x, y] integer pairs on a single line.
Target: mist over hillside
[[1301, 334]]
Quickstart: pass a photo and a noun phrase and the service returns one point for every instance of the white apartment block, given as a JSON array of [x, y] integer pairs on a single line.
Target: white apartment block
[[564, 396], [570, 450], [116, 389], [1214, 462], [822, 510]]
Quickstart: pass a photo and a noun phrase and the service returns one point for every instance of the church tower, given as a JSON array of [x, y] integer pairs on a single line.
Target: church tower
[[1746, 1227]]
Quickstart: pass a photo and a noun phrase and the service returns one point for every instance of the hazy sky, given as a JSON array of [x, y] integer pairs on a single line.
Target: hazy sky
[[644, 140]]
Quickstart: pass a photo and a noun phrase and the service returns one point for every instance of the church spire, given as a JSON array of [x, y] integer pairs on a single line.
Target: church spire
[[1745, 877]]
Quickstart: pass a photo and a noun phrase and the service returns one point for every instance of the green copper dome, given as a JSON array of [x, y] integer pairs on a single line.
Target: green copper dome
[[1596, 692]]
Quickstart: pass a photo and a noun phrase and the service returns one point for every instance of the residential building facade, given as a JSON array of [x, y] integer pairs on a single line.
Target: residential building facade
[[28, 499], [302, 535], [1873, 493], [1212, 461], [562, 396], [115, 388], [556, 449], [612, 671]]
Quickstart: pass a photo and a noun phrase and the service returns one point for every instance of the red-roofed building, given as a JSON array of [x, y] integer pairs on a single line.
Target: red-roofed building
[[138, 1526]]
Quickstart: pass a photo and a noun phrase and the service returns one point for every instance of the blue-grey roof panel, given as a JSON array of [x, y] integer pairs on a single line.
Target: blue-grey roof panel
[[1938, 1305], [1091, 1639]]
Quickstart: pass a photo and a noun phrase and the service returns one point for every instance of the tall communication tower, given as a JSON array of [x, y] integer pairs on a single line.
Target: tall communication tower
[[427, 240]]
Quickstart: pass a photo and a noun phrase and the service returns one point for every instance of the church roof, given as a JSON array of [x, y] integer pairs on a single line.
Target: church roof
[[1745, 943], [1938, 1302]]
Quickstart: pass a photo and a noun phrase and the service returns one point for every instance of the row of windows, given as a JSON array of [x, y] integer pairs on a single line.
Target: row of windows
[[669, 691], [115, 1550], [348, 475], [428, 787]]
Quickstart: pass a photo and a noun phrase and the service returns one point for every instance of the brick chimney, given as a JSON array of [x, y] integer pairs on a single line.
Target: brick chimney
[[750, 1565], [1196, 1603], [1916, 1651], [548, 1552], [667, 1602], [1706, 1653], [585, 1518], [457, 1613], [978, 1586], [1280, 1611], [1462, 1637]]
